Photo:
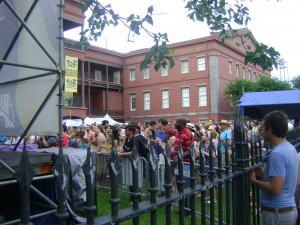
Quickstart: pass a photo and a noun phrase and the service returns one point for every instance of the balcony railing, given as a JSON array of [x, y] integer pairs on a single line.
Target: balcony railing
[[111, 79], [72, 101]]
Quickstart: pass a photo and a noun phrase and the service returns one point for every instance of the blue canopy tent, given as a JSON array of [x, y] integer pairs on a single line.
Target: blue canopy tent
[[257, 104]]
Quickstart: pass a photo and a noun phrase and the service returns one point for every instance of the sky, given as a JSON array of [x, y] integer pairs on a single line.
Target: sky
[[274, 23]]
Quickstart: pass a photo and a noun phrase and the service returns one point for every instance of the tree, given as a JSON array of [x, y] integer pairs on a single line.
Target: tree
[[266, 83], [296, 82], [237, 88], [219, 15]]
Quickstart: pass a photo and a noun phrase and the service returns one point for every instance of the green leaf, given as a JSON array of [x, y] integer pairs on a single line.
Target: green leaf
[[149, 20]]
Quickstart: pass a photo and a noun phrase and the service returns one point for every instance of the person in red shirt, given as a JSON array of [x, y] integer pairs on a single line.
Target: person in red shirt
[[185, 138], [65, 138]]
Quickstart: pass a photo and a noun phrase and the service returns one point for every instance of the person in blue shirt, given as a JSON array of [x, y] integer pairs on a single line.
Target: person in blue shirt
[[161, 138], [225, 138], [279, 177]]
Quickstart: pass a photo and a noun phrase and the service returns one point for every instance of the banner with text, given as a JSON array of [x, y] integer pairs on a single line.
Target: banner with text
[[71, 74]]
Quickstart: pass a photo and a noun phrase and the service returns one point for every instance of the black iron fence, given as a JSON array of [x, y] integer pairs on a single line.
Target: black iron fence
[[232, 199]]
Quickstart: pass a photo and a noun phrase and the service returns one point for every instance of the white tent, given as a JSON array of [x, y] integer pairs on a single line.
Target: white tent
[[72, 122], [88, 121], [108, 118]]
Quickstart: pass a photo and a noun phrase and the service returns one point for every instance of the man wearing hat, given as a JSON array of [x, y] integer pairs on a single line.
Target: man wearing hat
[[191, 127], [225, 137]]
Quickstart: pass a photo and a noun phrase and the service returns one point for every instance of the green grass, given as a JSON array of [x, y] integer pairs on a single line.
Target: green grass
[[104, 208]]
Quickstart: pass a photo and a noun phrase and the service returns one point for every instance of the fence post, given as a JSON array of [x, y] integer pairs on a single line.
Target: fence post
[[168, 183], [134, 159], [24, 175], [89, 174], [242, 190], [220, 174], [114, 169], [203, 175], [152, 178], [180, 182], [192, 183], [211, 172]]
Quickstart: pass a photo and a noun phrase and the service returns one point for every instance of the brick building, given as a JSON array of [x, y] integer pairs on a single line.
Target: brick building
[[193, 88], [111, 82]]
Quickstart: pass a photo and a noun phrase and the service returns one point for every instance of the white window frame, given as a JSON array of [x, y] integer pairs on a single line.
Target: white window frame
[[147, 100], [165, 99], [132, 102], [244, 73], [237, 70], [201, 63], [254, 76], [146, 72], [185, 96], [132, 74], [164, 71], [98, 75], [184, 66], [230, 67], [202, 92], [249, 75]]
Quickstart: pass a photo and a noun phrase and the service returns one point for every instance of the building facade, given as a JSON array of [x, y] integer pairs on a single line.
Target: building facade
[[111, 83], [193, 88]]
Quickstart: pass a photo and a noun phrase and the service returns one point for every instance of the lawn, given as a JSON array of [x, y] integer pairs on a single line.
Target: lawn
[[104, 208]]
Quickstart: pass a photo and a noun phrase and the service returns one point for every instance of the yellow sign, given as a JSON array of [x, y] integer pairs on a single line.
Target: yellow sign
[[71, 74]]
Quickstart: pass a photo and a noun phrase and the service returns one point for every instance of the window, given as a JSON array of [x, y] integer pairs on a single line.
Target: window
[[132, 102], [146, 100], [98, 75], [131, 74], [244, 75], [146, 73], [254, 76], [117, 77], [237, 70], [249, 75], [202, 96], [201, 64], [165, 99], [184, 66], [230, 67], [185, 97], [164, 71]]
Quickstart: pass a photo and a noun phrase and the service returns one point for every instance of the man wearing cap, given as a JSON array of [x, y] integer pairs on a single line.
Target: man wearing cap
[[191, 127], [225, 137]]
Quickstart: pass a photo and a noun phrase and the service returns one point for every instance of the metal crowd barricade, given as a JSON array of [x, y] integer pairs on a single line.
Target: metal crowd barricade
[[127, 172], [102, 167]]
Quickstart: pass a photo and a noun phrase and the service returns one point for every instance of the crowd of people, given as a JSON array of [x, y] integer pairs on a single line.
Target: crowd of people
[[277, 186]]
